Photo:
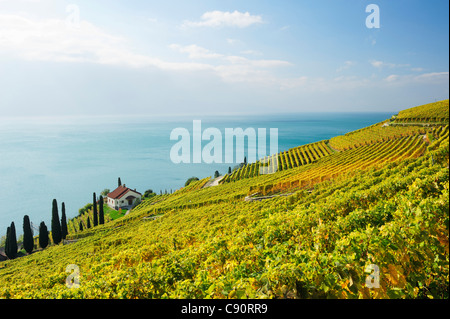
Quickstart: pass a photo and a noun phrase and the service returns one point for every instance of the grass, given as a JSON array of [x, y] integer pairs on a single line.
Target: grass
[[114, 214]]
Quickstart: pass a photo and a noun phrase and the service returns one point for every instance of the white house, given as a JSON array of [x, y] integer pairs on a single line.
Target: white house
[[123, 197]]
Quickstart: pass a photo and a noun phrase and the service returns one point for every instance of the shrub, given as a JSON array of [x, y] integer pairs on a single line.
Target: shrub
[[190, 180]]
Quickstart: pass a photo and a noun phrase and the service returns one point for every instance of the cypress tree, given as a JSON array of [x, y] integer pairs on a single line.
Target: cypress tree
[[229, 170], [119, 182], [43, 235], [81, 225], [88, 223], [56, 225], [94, 207], [64, 230], [8, 231], [101, 214], [11, 240], [28, 242]]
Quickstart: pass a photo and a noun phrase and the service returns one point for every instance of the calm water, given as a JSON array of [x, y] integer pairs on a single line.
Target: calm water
[[70, 158]]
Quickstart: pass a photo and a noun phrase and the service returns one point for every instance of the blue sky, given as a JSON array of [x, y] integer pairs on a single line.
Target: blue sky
[[216, 57]]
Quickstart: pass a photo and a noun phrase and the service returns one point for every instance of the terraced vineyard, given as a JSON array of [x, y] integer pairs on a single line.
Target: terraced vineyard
[[375, 134], [292, 158], [418, 121], [437, 112], [311, 230], [359, 159]]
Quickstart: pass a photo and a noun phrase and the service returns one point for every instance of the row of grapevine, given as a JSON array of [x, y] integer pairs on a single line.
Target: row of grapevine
[[361, 158], [73, 224], [194, 185], [374, 134], [286, 160], [439, 135], [437, 112], [148, 205]]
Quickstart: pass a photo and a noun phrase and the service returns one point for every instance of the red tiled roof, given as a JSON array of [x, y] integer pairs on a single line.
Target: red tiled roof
[[120, 191]]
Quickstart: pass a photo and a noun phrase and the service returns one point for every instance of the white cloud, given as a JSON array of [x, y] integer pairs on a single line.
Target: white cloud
[[269, 63], [232, 41], [377, 64], [433, 76], [381, 64], [53, 40], [233, 59], [426, 78], [251, 52], [347, 65], [235, 73], [195, 51], [225, 19], [233, 68], [326, 85], [351, 83], [392, 78], [241, 69], [294, 83]]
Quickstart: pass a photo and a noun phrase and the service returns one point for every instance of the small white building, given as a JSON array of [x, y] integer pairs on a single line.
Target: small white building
[[123, 197]]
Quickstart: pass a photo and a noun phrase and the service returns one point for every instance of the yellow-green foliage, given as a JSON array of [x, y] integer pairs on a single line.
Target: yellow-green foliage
[[433, 112], [374, 134], [295, 157], [408, 122], [73, 225], [362, 158], [315, 243]]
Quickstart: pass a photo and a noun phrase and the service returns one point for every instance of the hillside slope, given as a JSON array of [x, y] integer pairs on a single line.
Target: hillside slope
[[378, 201]]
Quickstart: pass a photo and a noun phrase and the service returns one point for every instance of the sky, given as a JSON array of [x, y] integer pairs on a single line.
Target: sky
[[111, 57]]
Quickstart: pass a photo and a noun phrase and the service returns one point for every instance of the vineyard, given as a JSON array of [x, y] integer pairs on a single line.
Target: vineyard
[[379, 195], [437, 112], [359, 159], [292, 158], [375, 134], [417, 120]]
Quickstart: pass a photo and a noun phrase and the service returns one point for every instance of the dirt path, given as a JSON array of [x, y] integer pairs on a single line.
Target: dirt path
[[252, 199], [69, 241], [333, 149], [213, 182]]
